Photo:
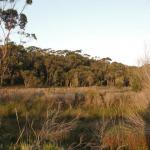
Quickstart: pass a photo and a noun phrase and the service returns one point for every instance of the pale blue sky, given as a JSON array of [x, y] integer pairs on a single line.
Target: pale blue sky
[[115, 28]]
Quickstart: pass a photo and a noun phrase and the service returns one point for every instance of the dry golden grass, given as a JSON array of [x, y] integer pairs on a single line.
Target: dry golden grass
[[104, 117]]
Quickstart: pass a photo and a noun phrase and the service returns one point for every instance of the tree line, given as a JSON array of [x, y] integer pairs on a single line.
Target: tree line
[[36, 67]]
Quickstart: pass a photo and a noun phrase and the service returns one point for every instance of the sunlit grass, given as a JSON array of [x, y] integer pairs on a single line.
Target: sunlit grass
[[121, 114]]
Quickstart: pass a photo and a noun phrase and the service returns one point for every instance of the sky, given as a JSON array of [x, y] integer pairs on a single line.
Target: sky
[[119, 29]]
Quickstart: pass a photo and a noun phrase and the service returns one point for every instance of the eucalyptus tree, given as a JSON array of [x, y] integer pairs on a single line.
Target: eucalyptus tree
[[116, 70], [12, 20]]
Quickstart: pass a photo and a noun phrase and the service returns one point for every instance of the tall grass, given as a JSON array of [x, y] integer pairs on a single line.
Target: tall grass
[[74, 118]]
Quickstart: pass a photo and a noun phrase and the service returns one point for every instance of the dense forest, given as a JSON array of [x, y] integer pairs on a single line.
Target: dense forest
[[36, 67]]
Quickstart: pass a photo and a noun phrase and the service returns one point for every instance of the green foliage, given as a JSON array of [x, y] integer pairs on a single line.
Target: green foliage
[[136, 83], [11, 19], [119, 82], [30, 80], [29, 2], [10, 16], [22, 21], [35, 67]]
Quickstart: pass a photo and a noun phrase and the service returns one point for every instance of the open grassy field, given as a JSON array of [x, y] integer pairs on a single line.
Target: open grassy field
[[91, 118]]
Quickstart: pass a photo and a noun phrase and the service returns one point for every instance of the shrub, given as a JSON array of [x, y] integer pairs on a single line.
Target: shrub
[[30, 80], [119, 82], [136, 83]]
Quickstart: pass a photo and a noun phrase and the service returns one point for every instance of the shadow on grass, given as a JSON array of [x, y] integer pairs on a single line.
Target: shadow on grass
[[85, 135], [8, 131], [146, 118]]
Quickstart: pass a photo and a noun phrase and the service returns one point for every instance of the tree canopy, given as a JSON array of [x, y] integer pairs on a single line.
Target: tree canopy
[[11, 19], [36, 67]]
